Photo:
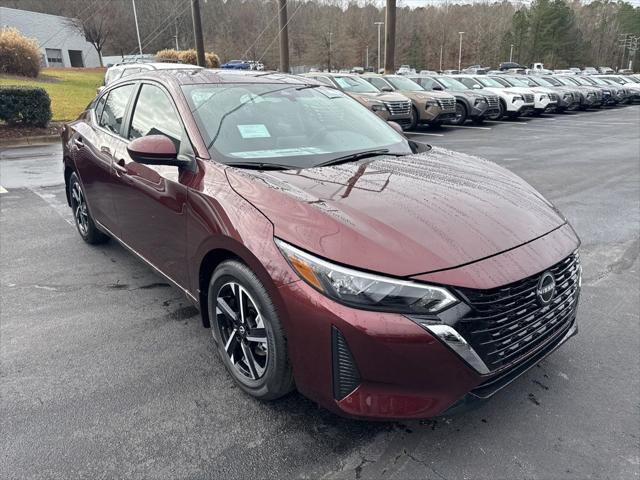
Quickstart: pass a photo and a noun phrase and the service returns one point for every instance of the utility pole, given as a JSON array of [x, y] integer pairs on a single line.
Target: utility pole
[[441, 50], [511, 54], [135, 18], [367, 59], [284, 36], [379, 24], [197, 31], [390, 38], [329, 58], [176, 35], [460, 52]]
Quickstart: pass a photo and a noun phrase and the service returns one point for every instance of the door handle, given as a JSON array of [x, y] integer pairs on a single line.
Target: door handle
[[119, 167]]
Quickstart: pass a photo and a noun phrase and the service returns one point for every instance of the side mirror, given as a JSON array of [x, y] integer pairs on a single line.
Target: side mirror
[[155, 150], [437, 87], [476, 86], [386, 89], [396, 127]]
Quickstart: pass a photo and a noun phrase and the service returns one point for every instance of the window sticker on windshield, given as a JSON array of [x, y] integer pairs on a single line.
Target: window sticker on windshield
[[254, 131], [281, 152]]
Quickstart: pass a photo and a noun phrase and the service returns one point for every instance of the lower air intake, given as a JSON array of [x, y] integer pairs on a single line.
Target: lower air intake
[[345, 373]]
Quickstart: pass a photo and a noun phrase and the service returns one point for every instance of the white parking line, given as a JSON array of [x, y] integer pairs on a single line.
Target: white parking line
[[431, 134], [510, 123], [465, 126], [2, 189]]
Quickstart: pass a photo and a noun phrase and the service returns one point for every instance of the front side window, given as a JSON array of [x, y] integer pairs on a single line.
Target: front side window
[[504, 82], [154, 115], [290, 125], [115, 107], [470, 82], [427, 83]]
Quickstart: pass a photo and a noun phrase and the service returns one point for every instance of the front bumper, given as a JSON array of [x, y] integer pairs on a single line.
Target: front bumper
[[435, 113], [401, 369]]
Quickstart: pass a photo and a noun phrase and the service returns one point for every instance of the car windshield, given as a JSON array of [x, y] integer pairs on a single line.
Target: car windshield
[[488, 82], [355, 85], [281, 125], [503, 81], [404, 83], [529, 82], [567, 82], [618, 80], [552, 81], [581, 81], [451, 83], [516, 82]]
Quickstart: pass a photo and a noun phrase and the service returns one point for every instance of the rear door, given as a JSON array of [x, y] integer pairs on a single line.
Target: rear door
[[151, 200], [93, 145]]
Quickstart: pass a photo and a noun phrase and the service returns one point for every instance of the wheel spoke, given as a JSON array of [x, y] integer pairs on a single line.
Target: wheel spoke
[[241, 298], [257, 335], [249, 360], [231, 342], [226, 310]]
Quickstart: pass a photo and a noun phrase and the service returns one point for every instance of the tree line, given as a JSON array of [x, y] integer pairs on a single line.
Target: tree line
[[560, 33]]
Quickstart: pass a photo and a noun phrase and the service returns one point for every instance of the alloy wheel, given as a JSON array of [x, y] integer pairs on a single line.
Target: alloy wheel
[[242, 331], [80, 212]]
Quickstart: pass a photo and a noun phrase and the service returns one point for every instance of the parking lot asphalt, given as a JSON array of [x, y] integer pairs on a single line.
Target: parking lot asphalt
[[106, 371]]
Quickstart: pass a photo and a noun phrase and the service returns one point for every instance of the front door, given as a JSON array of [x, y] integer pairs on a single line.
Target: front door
[[151, 200]]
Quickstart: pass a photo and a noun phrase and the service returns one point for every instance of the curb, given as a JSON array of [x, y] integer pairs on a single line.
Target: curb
[[29, 141]]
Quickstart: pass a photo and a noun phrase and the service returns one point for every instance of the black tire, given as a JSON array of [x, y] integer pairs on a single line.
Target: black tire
[[436, 124], [415, 117], [478, 120], [503, 110], [275, 377], [461, 114], [82, 217]]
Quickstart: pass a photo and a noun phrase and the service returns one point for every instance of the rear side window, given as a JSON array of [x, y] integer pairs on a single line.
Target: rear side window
[[115, 107], [154, 115]]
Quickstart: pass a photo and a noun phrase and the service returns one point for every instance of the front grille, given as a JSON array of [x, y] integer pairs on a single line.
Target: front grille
[[447, 104], [507, 323], [398, 108], [492, 100], [345, 373], [528, 98]]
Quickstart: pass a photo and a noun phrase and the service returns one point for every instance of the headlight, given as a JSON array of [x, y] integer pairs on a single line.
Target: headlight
[[365, 290], [431, 102], [480, 100], [378, 107], [516, 98], [543, 96]]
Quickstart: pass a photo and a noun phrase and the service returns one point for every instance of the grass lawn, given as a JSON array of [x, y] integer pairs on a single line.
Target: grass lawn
[[70, 89]]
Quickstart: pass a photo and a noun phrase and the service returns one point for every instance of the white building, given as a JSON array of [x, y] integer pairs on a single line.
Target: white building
[[61, 44]]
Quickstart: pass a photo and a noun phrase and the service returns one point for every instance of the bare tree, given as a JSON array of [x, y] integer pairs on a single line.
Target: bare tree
[[95, 26]]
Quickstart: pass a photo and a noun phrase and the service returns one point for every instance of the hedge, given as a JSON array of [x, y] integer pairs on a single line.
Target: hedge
[[188, 57], [29, 106]]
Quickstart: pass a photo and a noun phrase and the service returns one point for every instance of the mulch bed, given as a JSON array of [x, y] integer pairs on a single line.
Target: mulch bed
[[7, 132]]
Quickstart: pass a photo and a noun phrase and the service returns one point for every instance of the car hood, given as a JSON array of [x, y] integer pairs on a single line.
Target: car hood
[[400, 215], [423, 96], [382, 96]]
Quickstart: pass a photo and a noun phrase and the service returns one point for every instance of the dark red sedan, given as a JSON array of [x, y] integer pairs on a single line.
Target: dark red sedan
[[380, 277]]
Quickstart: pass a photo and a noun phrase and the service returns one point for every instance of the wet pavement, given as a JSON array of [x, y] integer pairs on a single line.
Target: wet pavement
[[106, 371]]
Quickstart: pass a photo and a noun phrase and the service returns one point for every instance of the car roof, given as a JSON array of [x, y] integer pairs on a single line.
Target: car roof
[[199, 75]]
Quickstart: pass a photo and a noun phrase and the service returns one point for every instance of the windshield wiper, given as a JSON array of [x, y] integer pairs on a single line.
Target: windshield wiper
[[261, 166], [353, 157]]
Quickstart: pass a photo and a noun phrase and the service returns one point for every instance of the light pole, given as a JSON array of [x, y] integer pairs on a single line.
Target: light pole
[[379, 24], [441, 49], [460, 52], [367, 59], [511, 54], [135, 18]]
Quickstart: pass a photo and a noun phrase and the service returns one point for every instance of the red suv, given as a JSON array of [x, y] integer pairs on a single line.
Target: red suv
[[380, 277]]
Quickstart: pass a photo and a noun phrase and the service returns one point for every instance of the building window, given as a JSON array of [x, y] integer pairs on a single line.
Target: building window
[[54, 57]]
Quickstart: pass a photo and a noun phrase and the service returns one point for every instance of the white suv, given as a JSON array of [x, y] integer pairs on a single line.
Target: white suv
[[542, 100], [513, 101]]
